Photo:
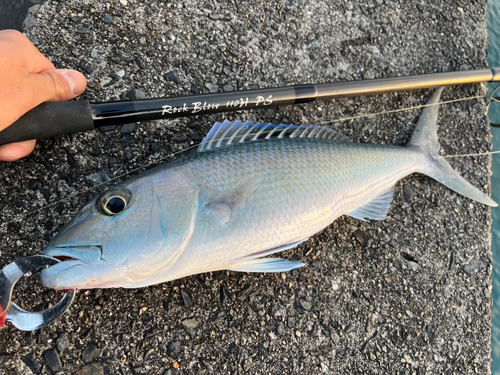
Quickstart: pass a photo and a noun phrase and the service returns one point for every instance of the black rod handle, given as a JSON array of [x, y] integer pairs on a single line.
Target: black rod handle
[[49, 120]]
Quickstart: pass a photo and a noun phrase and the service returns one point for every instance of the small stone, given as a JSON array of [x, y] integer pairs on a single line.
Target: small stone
[[107, 19], [75, 52], [186, 298], [29, 361], [120, 73], [190, 323], [281, 329], [139, 62], [270, 113], [472, 267], [447, 292], [90, 353], [52, 360], [171, 77], [123, 2], [350, 328], [128, 128], [194, 123], [298, 334], [135, 94], [227, 71], [306, 305], [420, 8], [291, 322], [195, 136], [97, 178], [362, 237], [34, 185], [62, 342], [407, 193], [142, 40], [211, 87], [154, 147], [193, 89], [317, 264], [173, 349], [63, 176], [116, 59], [335, 337], [84, 30], [228, 87], [179, 137], [96, 368]]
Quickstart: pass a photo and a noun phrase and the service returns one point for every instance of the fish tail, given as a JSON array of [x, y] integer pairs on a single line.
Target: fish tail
[[425, 139]]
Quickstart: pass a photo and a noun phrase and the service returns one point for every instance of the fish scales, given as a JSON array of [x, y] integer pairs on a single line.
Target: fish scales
[[241, 198], [305, 185]]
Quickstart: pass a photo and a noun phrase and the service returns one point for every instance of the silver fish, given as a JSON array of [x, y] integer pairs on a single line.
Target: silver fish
[[249, 191]]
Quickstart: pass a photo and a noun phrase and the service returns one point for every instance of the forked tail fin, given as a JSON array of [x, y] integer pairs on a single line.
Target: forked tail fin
[[425, 138]]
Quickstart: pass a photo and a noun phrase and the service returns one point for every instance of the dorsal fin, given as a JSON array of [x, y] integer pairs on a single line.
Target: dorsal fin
[[229, 133]]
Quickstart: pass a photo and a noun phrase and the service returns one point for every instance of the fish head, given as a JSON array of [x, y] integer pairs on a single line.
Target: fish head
[[126, 235]]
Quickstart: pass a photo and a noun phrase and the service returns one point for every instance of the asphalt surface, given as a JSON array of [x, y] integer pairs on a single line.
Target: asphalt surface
[[408, 295]]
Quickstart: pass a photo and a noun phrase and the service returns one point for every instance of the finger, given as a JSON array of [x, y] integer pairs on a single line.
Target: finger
[[55, 85], [15, 151]]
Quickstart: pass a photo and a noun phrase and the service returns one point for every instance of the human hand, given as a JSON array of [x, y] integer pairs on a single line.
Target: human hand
[[28, 79]]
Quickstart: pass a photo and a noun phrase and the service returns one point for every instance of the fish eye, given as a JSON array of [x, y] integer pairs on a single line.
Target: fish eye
[[113, 201]]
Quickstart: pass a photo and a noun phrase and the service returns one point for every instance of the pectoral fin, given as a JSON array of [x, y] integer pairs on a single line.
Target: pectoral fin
[[376, 209], [225, 203], [265, 265], [264, 253]]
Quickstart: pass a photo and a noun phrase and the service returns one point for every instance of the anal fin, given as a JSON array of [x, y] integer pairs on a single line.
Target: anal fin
[[265, 265], [376, 209]]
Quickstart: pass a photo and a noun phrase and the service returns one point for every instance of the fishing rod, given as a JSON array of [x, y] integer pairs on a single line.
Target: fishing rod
[[58, 118]]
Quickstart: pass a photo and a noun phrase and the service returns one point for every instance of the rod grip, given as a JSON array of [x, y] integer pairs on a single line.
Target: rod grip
[[49, 120]]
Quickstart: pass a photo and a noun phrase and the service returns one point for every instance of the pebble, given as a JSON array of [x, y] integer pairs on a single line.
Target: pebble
[[34, 185], [96, 368], [171, 77], [291, 321], [306, 305], [29, 361], [194, 123], [90, 353], [173, 349], [407, 193], [281, 329], [317, 264], [97, 178], [472, 267], [211, 87], [128, 128], [190, 323], [107, 19], [116, 59], [135, 94], [139, 62], [186, 298], [362, 237], [84, 30], [335, 337], [179, 137], [62, 342], [270, 113], [193, 89], [154, 147], [228, 87], [52, 360], [120, 73]]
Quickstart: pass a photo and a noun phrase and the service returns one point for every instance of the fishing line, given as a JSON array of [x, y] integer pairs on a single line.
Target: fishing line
[[171, 155]]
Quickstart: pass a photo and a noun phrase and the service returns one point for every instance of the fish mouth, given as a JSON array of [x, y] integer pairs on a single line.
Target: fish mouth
[[88, 255]]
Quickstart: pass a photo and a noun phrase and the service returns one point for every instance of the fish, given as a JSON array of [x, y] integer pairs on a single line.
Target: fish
[[250, 190]]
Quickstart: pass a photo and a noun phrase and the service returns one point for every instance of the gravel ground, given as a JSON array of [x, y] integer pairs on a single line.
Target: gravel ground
[[408, 295]]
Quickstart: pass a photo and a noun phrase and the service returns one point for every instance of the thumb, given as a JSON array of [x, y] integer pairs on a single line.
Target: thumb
[[56, 85]]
